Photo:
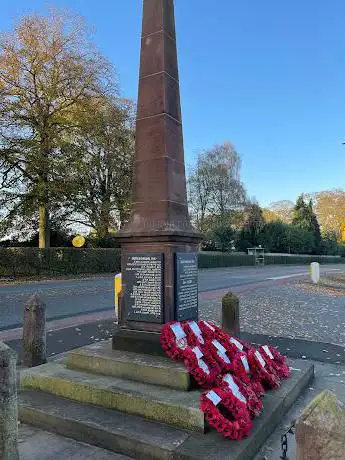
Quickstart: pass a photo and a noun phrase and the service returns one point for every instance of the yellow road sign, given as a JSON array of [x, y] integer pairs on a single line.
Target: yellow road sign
[[78, 241]]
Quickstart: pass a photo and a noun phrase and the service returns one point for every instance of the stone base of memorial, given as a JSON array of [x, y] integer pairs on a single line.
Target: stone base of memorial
[[158, 286]]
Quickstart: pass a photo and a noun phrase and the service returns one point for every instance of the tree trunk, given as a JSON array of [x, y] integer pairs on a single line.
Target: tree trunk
[[44, 233]]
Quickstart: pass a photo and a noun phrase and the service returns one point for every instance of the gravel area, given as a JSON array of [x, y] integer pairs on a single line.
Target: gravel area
[[296, 310]]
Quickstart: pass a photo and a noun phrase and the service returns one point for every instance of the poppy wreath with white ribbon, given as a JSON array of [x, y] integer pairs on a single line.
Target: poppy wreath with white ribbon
[[226, 413], [263, 371], [271, 355], [194, 333], [243, 371], [210, 330], [241, 367], [242, 392], [234, 344], [201, 366], [220, 355], [174, 340]]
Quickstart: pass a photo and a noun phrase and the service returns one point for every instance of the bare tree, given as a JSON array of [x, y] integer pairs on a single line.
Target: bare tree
[[50, 75], [200, 191], [214, 185], [283, 210], [228, 192]]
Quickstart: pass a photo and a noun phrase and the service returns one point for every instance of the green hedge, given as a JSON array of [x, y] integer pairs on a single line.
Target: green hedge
[[301, 260], [17, 262], [57, 261], [221, 259]]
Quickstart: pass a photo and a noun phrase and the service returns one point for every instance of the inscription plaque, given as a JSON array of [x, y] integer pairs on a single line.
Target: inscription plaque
[[186, 286], [143, 279]]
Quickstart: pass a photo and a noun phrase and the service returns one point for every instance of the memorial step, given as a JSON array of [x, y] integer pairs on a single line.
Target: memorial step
[[100, 358], [126, 434], [177, 408], [143, 439]]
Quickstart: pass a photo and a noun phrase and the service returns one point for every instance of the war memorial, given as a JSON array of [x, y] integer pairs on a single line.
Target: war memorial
[[127, 395]]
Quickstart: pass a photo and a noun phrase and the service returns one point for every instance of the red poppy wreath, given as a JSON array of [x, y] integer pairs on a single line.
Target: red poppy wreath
[[194, 333], [272, 356], [201, 366], [262, 371], [210, 330], [242, 392], [219, 354], [174, 340], [226, 413]]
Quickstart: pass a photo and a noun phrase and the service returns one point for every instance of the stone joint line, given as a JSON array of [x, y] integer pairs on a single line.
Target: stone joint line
[[158, 32], [158, 73], [159, 157], [159, 115]]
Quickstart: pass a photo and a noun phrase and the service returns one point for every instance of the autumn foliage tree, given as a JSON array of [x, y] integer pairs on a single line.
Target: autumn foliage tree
[[50, 75], [101, 199]]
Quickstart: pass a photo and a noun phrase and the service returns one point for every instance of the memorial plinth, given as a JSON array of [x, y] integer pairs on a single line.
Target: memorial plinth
[[159, 244]]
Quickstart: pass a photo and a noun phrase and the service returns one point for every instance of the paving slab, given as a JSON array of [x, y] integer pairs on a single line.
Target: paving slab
[[100, 358], [36, 444]]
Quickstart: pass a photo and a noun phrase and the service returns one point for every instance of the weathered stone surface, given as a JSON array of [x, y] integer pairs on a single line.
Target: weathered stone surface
[[8, 404], [231, 314], [139, 438], [177, 408], [320, 431], [126, 434], [39, 444], [158, 126], [100, 358], [34, 332]]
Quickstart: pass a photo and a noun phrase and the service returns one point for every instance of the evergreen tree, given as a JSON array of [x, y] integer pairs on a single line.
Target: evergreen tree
[[305, 218], [315, 228], [301, 215]]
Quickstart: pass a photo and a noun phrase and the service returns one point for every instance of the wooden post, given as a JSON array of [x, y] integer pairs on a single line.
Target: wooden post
[[34, 332], [8, 404], [231, 314]]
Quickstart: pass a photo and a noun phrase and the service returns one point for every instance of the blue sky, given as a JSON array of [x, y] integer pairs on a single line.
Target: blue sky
[[267, 75]]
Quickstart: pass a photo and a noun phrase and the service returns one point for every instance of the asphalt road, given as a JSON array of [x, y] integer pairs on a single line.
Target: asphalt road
[[67, 298]]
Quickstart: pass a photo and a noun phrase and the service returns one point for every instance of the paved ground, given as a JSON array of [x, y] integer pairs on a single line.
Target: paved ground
[[35, 444], [68, 298], [327, 376], [294, 309], [300, 319]]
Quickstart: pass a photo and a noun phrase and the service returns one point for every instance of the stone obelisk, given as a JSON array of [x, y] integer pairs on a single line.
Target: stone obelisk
[[159, 244]]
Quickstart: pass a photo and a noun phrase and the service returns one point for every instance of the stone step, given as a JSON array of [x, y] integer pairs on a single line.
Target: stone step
[[100, 358], [143, 439], [177, 408], [125, 434]]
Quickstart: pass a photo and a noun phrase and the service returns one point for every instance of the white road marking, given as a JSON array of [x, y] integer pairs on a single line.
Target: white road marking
[[287, 276], [300, 274]]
